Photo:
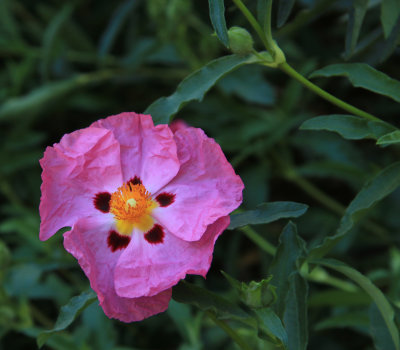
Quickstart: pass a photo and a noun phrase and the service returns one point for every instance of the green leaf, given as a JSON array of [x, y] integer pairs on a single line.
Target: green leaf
[[364, 76], [119, 17], [284, 9], [266, 213], [348, 126], [379, 331], [385, 309], [272, 324], [348, 319], [38, 99], [390, 138], [336, 297], [356, 18], [217, 16], [51, 35], [384, 183], [390, 12], [295, 316], [187, 325], [249, 84], [290, 249], [207, 301], [255, 295], [68, 314], [195, 86]]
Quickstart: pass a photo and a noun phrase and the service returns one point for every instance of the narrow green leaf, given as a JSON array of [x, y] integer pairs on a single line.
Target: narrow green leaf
[[249, 84], [390, 12], [291, 248], [68, 314], [119, 17], [284, 9], [385, 309], [207, 301], [379, 331], [334, 297], [295, 316], [38, 99], [195, 86], [266, 213], [262, 12], [272, 324], [356, 18], [217, 16], [390, 44], [348, 126], [384, 183], [10, 28], [390, 138], [50, 37], [5, 257], [364, 76], [348, 319]]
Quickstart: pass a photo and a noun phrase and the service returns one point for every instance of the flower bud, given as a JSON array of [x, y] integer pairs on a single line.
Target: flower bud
[[240, 41]]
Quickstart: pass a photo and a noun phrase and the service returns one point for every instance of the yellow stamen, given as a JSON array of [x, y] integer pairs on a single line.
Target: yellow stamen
[[131, 206]]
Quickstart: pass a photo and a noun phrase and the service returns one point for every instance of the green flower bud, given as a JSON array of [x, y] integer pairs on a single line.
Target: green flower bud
[[240, 41]]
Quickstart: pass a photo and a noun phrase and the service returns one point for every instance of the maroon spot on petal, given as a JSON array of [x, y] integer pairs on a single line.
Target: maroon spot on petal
[[155, 235], [135, 181], [101, 201], [165, 199], [116, 241]]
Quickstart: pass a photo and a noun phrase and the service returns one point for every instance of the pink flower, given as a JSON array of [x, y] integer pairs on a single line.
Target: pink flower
[[146, 206]]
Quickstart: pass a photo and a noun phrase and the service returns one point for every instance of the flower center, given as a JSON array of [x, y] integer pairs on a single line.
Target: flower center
[[131, 205]]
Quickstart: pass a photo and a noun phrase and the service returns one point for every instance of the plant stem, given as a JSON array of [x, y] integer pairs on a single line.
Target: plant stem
[[268, 28], [224, 326], [314, 192], [40, 317], [257, 239], [325, 95], [267, 41], [274, 50], [319, 275]]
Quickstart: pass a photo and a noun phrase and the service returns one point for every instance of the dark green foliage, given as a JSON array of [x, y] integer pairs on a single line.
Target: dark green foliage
[[266, 213], [217, 16], [364, 76]]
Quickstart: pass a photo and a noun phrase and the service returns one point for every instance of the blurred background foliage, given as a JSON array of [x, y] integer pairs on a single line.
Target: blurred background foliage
[[65, 64]]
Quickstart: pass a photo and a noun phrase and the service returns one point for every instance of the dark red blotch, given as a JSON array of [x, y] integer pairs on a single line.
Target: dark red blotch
[[135, 181], [165, 199], [101, 201], [116, 241], [155, 235]]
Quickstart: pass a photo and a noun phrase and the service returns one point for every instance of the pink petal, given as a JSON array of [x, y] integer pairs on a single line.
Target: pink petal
[[206, 186], [178, 124], [88, 243], [83, 164], [146, 269], [147, 151]]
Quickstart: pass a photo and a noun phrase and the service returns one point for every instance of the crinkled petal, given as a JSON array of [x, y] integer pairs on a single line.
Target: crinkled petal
[[83, 164], [146, 269], [147, 151], [206, 186], [178, 124], [87, 242]]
